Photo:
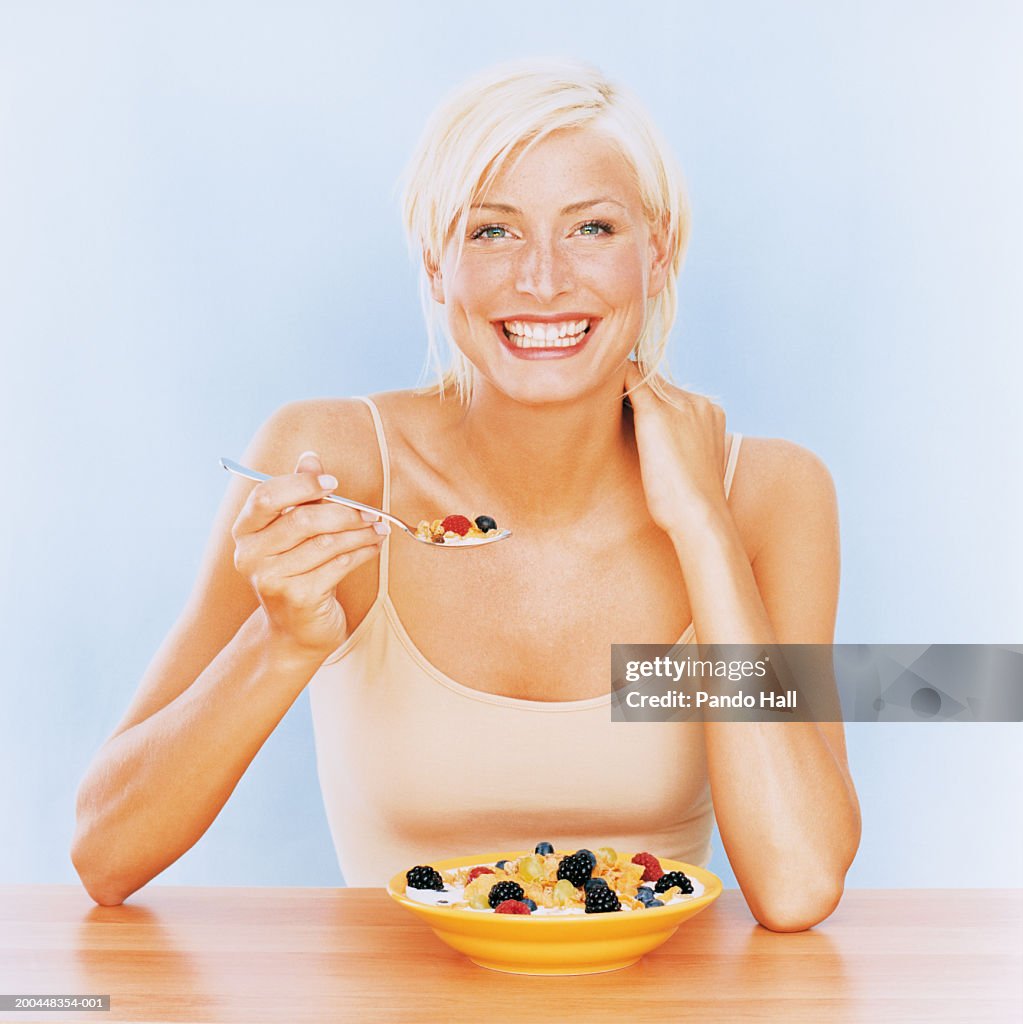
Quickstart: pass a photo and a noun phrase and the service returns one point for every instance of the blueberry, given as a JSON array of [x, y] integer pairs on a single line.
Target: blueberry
[[654, 903], [486, 524], [530, 904], [644, 894], [594, 883], [540, 847], [501, 864], [589, 855]]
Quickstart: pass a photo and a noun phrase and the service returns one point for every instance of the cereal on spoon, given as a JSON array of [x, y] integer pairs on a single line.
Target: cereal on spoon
[[454, 529]]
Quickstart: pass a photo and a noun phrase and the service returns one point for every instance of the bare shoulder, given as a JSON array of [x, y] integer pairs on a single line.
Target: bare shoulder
[[776, 479], [339, 430], [776, 466]]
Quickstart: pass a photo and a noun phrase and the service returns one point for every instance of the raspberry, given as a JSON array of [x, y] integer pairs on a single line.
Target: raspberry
[[422, 876], [512, 907], [505, 891], [651, 864], [457, 524], [476, 872], [576, 868], [602, 901], [679, 878]]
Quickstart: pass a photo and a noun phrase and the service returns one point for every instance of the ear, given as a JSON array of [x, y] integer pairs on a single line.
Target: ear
[[435, 276], [660, 257]]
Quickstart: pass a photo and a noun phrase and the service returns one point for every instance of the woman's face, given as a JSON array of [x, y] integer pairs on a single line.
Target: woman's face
[[558, 261]]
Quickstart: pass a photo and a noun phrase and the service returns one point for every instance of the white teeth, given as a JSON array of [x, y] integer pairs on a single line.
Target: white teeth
[[526, 334]]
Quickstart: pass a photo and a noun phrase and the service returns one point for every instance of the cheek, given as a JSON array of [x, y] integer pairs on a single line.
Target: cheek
[[619, 275], [476, 282]]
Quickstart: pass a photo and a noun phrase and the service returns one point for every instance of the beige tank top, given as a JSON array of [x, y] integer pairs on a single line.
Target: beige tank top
[[415, 766]]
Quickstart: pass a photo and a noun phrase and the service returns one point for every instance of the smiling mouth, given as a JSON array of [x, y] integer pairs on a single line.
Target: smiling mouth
[[533, 335]]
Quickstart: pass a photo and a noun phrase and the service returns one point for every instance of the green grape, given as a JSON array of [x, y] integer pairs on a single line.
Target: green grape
[[605, 855], [480, 899], [564, 891], [531, 868]]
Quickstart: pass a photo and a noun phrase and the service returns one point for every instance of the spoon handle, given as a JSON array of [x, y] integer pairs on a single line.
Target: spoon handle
[[367, 508], [253, 474]]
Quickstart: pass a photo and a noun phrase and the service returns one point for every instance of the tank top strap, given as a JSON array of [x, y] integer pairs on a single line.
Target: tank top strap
[[385, 500], [733, 457]]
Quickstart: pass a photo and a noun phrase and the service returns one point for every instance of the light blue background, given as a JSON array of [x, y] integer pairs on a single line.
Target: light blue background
[[198, 223]]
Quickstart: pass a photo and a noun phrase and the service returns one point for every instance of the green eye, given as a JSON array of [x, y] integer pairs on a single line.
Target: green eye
[[485, 232]]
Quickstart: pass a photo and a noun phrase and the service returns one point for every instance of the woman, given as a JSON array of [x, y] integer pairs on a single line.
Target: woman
[[460, 698]]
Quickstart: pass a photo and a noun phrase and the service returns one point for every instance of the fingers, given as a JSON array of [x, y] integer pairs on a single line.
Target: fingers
[[309, 462], [269, 499], [305, 522], [692, 406], [633, 383], [312, 560], [638, 390], [320, 550]]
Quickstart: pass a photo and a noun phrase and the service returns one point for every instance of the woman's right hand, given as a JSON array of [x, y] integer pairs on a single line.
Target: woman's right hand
[[294, 549]]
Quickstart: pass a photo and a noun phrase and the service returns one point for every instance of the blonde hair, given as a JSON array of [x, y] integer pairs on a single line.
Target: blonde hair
[[470, 137]]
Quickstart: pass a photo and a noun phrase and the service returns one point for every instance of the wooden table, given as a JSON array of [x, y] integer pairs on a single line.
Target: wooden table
[[291, 955]]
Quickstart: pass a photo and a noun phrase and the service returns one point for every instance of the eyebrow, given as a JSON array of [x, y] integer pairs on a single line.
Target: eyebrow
[[583, 204]]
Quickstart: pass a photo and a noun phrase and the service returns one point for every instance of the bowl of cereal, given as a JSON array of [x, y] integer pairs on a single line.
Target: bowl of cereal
[[555, 912]]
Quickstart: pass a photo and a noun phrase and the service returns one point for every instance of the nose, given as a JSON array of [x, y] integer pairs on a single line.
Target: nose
[[541, 271]]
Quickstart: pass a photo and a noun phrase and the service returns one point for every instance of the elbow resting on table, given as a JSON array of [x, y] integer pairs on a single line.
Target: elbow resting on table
[[798, 915], [104, 891]]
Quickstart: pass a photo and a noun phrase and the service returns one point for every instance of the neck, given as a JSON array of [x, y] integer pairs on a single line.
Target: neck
[[558, 462]]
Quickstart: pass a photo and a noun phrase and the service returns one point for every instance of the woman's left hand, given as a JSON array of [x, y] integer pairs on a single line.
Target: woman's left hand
[[681, 454]]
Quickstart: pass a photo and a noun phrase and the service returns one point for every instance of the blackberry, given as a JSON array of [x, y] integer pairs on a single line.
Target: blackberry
[[670, 878], [505, 891], [576, 868], [424, 877], [601, 900], [595, 883], [541, 848], [485, 523]]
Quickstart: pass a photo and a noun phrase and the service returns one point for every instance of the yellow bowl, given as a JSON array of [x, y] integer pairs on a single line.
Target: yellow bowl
[[579, 944]]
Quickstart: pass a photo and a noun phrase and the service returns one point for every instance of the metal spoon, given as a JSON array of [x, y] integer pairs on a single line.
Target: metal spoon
[[467, 542]]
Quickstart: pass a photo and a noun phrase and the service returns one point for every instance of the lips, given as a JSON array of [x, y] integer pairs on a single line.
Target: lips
[[546, 337]]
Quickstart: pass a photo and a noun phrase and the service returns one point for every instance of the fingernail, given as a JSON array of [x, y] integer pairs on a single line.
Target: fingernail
[[382, 528], [369, 517], [304, 454], [327, 482]]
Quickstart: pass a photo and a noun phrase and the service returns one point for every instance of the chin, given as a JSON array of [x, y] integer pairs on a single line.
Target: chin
[[540, 392]]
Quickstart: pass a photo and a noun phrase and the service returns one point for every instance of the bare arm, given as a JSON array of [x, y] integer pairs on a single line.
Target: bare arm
[[783, 796], [222, 680]]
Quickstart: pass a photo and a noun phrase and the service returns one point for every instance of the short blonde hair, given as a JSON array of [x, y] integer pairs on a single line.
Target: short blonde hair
[[470, 137]]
